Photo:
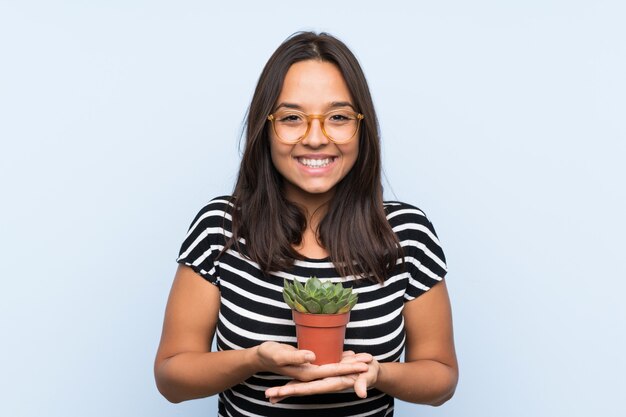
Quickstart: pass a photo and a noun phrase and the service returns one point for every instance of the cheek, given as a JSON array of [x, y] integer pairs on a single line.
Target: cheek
[[350, 155], [281, 155]]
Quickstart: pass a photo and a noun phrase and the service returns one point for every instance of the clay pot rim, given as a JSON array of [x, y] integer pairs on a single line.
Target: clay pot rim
[[320, 320]]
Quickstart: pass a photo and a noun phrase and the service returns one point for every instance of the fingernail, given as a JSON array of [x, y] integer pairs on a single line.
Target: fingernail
[[309, 357]]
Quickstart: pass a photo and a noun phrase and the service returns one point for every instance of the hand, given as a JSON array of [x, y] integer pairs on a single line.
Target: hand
[[283, 359], [358, 381]]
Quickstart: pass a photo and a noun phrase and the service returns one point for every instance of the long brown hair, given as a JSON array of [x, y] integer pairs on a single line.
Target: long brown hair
[[354, 230]]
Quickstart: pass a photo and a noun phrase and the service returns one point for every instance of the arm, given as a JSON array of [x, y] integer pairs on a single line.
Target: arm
[[185, 368], [430, 372]]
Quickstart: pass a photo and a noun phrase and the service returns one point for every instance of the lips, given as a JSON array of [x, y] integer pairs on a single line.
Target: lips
[[316, 162]]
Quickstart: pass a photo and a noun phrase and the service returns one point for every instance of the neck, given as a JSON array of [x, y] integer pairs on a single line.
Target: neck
[[310, 245], [315, 205]]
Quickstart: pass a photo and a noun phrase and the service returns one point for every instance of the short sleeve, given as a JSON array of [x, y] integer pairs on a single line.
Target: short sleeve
[[424, 259], [205, 239]]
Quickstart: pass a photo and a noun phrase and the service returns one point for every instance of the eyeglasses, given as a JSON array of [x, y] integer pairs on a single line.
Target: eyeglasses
[[339, 126]]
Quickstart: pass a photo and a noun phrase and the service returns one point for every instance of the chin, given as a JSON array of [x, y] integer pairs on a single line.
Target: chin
[[317, 191], [311, 190]]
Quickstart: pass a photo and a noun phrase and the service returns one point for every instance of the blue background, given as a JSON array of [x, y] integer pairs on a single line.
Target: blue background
[[504, 121]]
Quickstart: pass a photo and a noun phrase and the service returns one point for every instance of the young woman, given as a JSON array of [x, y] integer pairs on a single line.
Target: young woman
[[308, 202]]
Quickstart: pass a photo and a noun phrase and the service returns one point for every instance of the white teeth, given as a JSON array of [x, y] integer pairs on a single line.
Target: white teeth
[[315, 163]]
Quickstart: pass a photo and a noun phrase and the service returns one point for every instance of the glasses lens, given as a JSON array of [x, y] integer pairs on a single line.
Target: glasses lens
[[290, 126], [341, 125]]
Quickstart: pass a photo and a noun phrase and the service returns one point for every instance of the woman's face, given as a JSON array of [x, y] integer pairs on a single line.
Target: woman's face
[[315, 165]]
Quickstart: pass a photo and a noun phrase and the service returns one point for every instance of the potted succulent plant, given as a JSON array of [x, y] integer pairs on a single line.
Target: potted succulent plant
[[321, 311]]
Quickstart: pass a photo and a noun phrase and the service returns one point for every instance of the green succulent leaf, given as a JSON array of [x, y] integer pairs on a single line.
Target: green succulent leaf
[[313, 307], [312, 285], [330, 308], [347, 307], [336, 290], [343, 299], [323, 302], [300, 300], [344, 308], [299, 307], [288, 300], [290, 292], [298, 287]]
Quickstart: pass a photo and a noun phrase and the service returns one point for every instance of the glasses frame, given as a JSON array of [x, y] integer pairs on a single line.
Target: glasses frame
[[309, 120]]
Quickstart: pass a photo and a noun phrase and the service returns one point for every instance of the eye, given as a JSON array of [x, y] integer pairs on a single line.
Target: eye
[[289, 118], [340, 117]]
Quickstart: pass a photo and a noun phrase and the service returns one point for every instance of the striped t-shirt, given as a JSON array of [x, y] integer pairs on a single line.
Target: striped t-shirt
[[252, 309]]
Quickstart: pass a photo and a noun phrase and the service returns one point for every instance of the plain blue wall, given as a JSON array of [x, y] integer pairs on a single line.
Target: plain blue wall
[[504, 121]]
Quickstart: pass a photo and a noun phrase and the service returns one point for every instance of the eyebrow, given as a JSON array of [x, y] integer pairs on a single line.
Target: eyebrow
[[333, 105]]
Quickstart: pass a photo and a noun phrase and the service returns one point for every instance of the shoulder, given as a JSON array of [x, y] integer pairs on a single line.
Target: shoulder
[[218, 208], [399, 213], [418, 239], [210, 225], [222, 204], [411, 225], [214, 217], [206, 236]]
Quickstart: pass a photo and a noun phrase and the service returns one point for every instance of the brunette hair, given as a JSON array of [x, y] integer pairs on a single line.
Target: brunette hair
[[354, 230]]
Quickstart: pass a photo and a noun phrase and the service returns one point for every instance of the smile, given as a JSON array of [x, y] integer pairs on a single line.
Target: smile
[[316, 163]]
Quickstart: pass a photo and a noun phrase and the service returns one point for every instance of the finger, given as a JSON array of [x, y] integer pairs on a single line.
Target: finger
[[319, 386], [347, 353], [360, 386], [294, 357], [273, 393], [338, 369], [364, 357], [274, 400], [359, 357], [295, 387]]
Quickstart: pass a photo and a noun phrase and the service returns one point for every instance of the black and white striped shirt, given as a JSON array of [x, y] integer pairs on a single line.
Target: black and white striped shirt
[[252, 309]]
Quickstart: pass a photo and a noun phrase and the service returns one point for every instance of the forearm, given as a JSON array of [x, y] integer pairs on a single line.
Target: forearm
[[190, 375], [422, 381]]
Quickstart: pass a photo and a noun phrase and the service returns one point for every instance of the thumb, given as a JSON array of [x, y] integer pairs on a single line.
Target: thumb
[[297, 357]]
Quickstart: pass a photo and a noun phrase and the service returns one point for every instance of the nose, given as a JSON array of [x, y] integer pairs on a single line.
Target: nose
[[316, 137]]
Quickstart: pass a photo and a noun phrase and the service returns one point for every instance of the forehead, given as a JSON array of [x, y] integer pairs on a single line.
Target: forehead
[[314, 85]]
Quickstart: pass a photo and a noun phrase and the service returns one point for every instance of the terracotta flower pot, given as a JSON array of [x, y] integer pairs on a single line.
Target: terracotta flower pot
[[321, 333]]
